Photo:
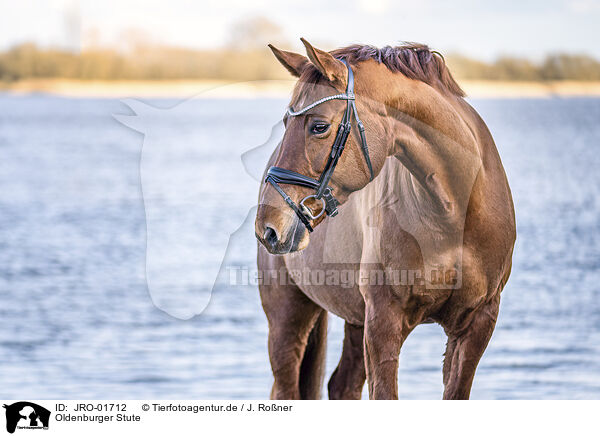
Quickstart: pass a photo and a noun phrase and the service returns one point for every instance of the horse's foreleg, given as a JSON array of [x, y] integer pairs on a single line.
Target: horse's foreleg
[[312, 368], [348, 379], [385, 332], [291, 317], [464, 350], [287, 344]]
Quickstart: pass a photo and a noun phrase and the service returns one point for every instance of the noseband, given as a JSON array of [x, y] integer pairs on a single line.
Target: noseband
[[324, 193]]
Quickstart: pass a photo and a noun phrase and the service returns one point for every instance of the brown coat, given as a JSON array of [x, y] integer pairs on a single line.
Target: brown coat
[[429, 239]]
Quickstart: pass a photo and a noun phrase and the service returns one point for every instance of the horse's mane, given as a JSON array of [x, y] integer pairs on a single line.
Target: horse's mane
[[415, 61]]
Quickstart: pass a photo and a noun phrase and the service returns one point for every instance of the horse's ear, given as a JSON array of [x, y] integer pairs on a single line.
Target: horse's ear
[[333, 69], [293, 62]]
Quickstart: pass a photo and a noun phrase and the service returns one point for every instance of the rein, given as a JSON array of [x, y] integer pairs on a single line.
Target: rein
[[324, 193]]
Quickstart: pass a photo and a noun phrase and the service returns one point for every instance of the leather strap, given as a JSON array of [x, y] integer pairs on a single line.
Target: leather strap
[[289, 177], [292, 205], [277, 175]]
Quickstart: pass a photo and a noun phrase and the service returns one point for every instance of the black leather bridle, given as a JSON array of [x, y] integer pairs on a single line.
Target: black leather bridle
[[276, 175]]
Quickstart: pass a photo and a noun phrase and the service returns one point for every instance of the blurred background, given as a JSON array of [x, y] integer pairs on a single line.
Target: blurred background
[[76, 318], [533, 41]]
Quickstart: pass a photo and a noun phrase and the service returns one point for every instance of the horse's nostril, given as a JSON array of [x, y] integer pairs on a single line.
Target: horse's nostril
[[270, 237]]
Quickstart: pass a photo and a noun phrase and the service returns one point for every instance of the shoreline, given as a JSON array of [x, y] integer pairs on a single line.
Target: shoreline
[[269, 88]]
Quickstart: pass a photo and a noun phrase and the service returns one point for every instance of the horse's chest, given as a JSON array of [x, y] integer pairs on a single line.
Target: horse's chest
[[327, 271], [334, 288]]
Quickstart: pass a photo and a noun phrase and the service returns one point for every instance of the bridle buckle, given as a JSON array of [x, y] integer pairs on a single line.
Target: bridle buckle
[[307, 211]]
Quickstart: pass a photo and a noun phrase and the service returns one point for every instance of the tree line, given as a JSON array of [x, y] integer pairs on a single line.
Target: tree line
[[28, 61]]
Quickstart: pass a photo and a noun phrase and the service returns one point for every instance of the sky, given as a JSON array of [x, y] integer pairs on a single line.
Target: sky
[[481, 29]]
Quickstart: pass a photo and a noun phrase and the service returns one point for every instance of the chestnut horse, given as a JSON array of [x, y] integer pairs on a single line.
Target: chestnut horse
[[428, 239]]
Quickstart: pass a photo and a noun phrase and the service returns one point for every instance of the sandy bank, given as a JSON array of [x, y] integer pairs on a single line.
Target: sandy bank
[[270, 88]]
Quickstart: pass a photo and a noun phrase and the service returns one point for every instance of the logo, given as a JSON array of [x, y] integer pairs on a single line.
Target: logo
[[26, 415]]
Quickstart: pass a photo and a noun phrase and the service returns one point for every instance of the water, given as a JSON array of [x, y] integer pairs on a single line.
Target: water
[[77, 321]]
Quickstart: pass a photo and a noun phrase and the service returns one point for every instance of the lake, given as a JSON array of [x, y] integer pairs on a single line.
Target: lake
[[76, 316]]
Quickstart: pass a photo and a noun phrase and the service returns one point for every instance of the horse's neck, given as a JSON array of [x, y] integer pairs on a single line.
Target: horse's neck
[[425, 184], [434, 142]]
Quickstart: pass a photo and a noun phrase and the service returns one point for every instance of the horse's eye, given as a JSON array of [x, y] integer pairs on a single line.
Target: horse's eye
[[318, 128]]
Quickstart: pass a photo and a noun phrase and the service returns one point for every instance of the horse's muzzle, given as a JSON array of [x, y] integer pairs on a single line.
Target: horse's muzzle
[[278, 242]]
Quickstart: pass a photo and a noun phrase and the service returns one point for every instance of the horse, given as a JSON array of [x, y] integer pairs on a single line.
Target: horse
[[422, 225]]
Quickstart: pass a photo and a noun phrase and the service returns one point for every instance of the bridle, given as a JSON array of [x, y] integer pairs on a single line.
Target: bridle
[[276, 175]]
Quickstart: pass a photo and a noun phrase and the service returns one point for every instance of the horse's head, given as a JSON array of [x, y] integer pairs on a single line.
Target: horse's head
[[311, 139]]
